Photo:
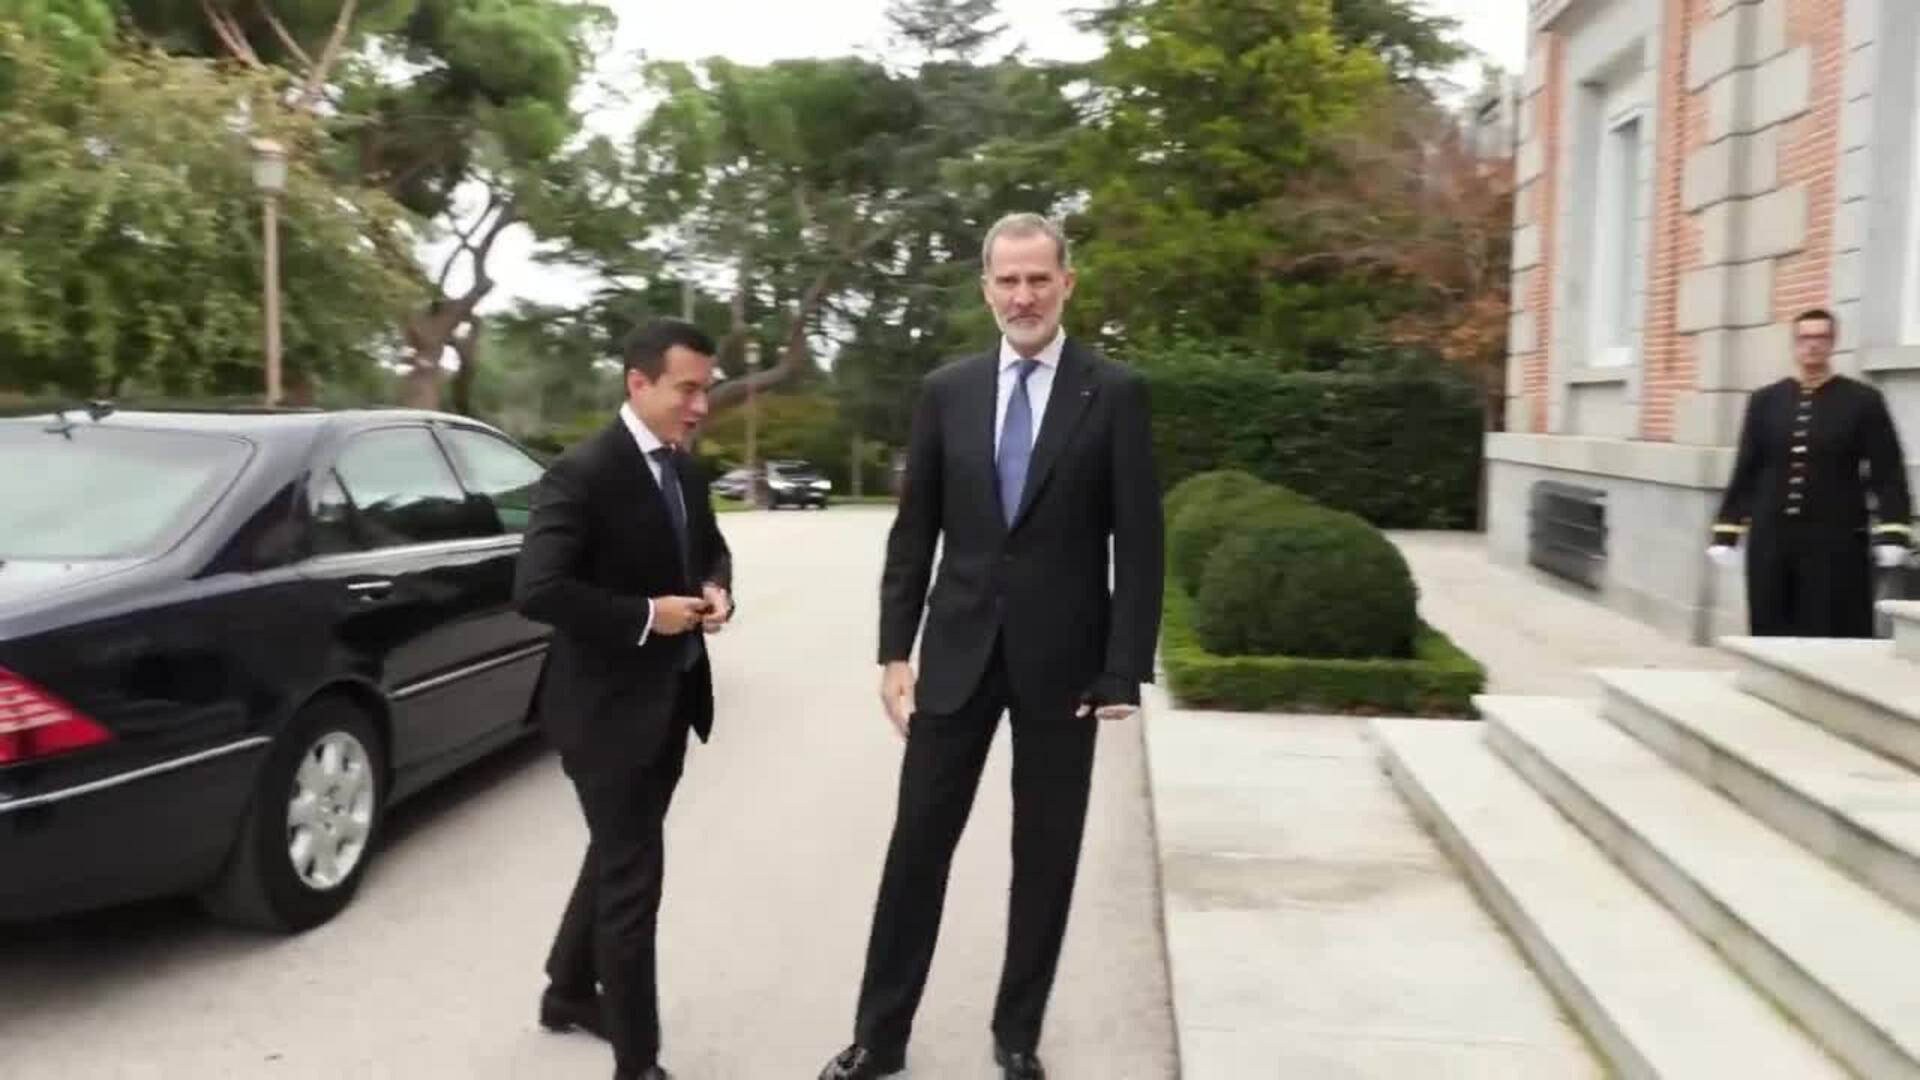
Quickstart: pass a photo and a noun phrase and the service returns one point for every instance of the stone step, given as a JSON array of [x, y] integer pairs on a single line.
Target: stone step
[[1837, 956], [1654, 997], [1905, 616], [1855, 809], [1855, 688]]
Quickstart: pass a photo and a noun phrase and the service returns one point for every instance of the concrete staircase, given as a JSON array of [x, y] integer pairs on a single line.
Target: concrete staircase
[[1718, 873]]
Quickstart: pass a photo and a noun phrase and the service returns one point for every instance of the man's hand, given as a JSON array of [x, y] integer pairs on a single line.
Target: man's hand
[[677, 614], [720, 608], [1110, 698], [896, 693]]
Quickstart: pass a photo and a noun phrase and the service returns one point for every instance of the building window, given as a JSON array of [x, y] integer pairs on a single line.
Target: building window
[[1617, 242]]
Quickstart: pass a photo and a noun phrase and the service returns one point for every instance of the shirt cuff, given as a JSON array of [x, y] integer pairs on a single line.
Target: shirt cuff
[[647, 631]]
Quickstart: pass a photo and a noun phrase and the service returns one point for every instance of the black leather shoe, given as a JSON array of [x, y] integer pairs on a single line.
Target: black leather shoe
[[1019, 1064], [652, 1072], [857, 1062], [560, 1013]]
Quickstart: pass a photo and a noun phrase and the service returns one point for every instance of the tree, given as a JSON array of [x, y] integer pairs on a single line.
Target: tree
[[1415, 44], [992, 138], [130, 235], [783, 178], [1203, 117], [460, 110]]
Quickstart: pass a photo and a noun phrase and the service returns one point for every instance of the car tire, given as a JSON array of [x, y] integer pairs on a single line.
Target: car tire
[[321, 792]]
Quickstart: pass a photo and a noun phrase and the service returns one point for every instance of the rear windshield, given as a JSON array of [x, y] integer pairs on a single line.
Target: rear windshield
[[100, 492]]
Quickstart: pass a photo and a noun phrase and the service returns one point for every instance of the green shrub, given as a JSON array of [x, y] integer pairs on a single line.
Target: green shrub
[[1306, 582], [1401, 450], [1208, 487], [1200, 526], [1439, 680]]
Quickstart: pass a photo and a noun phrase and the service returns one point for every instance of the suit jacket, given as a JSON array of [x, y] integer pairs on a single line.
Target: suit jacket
[[1800, 456], [600, 544], [1042, 583]]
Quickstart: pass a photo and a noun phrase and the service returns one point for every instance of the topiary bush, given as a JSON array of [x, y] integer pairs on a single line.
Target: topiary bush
[[1192, 536], [1208, 487], [1288, 580]]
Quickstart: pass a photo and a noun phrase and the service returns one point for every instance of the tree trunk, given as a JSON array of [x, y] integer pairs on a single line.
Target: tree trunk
[[794, 355], [467, 347]]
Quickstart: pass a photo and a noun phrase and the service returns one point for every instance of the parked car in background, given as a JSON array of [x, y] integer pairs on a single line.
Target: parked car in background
[[733, 484], [231, 642], [796, 483]]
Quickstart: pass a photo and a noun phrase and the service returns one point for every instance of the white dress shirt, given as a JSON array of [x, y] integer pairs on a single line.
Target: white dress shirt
[[1039, 384], [649, 442]]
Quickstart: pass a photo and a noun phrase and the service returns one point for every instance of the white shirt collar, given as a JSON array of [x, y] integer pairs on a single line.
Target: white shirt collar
[[642, 434], [1049, 357]]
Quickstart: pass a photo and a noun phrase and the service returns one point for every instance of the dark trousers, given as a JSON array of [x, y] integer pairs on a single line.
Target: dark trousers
[[606, 935], [1808, 580], [1052, 773]]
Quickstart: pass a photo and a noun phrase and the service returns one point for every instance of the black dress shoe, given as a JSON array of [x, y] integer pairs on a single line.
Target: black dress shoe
[[857, 1062], [561, 1013], [651, 1072], [1019, 1064]]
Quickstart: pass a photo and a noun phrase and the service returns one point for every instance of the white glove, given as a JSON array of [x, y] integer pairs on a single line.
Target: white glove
[[1888, 556], [1726, 556]]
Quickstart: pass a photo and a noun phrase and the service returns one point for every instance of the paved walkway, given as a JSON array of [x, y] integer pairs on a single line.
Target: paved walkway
[[1314, 929], [773, 855]]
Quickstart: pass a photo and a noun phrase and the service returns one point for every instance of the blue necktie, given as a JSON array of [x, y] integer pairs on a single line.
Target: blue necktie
[[1016, 443]]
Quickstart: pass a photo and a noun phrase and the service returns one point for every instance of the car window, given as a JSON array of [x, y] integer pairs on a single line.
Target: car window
[[498, 471], [91, 491], [402, 490], [334, 530]]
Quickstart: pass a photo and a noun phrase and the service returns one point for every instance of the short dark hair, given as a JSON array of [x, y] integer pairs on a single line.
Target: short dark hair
[[1818, 315], [646, 348]]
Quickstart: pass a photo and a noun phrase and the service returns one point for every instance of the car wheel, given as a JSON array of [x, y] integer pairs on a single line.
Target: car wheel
[[310, 829]]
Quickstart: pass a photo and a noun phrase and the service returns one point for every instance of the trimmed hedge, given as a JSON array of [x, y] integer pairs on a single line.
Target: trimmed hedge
[[1207, 487], [1201, 527], [1400, 450], [1440, 679], [1306, 582]]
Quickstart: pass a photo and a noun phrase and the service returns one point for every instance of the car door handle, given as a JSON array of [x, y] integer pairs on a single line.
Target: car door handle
[[369, 591]]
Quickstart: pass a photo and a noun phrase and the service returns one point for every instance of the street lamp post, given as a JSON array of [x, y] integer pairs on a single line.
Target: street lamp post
[[270, 176]]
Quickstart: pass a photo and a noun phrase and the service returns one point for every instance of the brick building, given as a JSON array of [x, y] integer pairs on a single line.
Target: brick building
[[1692, 174]]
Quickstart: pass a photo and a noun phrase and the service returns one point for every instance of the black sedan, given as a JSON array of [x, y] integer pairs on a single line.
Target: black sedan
[[230, 642]]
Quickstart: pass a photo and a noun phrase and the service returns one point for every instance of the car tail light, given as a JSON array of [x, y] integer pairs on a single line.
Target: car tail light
[[35, 724]]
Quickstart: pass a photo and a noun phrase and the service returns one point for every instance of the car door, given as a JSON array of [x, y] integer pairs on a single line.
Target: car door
[[412, 558], [501, 476]]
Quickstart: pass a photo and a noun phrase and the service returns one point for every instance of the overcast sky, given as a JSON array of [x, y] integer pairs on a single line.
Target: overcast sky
[[755, 31]]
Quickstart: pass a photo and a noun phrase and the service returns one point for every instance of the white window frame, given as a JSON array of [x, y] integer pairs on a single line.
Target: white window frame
[[1909, 294], [1617, 237]]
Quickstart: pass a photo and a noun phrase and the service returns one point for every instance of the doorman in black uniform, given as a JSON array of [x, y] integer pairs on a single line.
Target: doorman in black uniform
[[1813, 448]]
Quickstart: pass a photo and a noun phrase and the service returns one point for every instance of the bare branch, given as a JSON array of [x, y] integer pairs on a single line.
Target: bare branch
[[329, 54], [228, 30], [286, 38]]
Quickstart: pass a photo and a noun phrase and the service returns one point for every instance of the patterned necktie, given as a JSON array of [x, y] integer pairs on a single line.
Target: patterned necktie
[[1016, 442]]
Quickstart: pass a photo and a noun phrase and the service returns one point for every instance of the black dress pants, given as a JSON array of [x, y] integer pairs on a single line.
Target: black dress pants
[[1052, 773], [606, 935], [1809, 580]]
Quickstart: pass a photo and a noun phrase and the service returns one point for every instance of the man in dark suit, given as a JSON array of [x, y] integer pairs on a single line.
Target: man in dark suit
[[1799, 496], [623, 558], [1025, 463]]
